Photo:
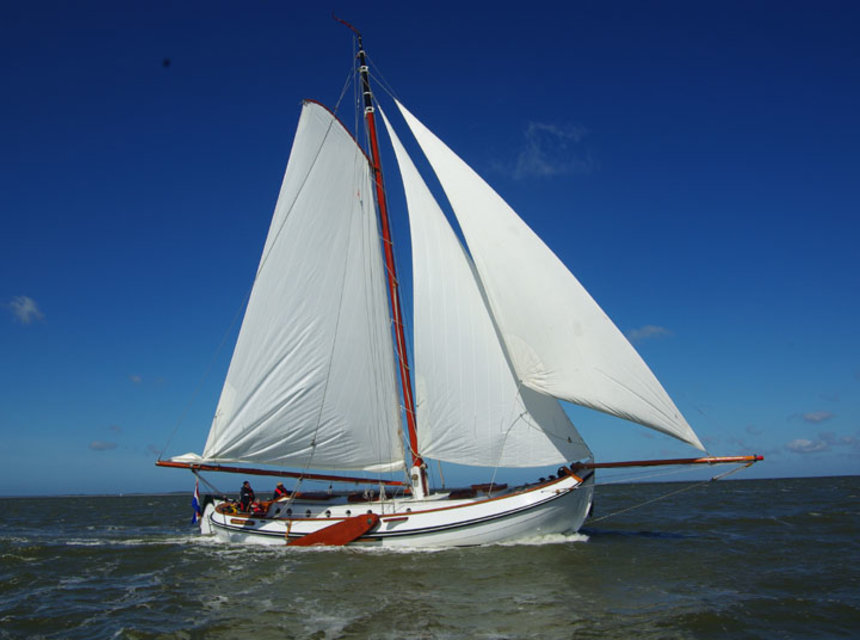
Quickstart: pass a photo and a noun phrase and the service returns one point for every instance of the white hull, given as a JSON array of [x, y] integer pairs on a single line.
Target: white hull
[[556, 506]]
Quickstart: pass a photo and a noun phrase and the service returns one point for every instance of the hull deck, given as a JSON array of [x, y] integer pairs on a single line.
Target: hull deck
[[440, 520]]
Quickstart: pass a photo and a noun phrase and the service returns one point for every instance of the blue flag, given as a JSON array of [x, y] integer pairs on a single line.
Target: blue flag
[[195, 503]]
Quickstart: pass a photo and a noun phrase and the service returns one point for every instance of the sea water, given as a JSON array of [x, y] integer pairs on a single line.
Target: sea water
[[731, 559]]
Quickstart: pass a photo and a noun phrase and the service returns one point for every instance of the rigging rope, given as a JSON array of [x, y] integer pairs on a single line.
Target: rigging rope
[[672, 493], [211, 486]]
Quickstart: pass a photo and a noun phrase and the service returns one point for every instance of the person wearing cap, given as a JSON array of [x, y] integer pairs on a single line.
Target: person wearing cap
[[280, 492]]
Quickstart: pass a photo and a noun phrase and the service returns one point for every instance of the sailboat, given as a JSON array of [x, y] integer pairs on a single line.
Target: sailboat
[[320, 379]]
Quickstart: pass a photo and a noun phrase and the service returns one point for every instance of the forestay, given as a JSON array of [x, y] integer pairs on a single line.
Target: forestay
[[470, 408], [311, 382], [560, 342]]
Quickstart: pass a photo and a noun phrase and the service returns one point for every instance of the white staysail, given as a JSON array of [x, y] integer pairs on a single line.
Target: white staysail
[[470, 408], [559, 340], [311, 382]]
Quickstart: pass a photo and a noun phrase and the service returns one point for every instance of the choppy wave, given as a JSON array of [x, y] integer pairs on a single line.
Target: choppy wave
[[776, 557]]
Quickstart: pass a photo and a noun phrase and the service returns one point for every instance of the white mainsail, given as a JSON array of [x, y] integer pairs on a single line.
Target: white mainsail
[[311, 382], [470, 408], [559, 340]]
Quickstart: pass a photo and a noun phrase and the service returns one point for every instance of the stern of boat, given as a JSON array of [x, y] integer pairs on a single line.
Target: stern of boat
[[205, 520]]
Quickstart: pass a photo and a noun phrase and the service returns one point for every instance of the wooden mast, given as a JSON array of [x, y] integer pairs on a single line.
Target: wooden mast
[[388, 247]]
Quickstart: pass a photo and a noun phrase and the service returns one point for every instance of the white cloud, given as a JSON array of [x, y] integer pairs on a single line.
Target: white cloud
[[834, 440], [25, 309], [825, 441], [101, 445], [647, 332], [550, 150], [802, 445], [817, 416]]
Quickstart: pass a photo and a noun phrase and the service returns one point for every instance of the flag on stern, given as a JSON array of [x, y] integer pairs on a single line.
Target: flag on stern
[[195, 502]]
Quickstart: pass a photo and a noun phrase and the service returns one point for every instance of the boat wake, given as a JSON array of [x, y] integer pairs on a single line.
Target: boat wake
[[545, 539]]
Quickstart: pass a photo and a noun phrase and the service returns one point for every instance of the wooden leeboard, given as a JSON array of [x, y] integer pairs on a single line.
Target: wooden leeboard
[[340, 533]]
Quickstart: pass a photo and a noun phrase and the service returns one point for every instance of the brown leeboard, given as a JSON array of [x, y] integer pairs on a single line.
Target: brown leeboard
[[340, 533]]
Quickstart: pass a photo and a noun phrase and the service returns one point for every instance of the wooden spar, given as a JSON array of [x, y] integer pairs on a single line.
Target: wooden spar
[[267, 472], [657, 463], [402, 357], [393, 291]]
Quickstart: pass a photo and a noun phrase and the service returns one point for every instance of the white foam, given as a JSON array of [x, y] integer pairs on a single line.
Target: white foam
[[545, 539]]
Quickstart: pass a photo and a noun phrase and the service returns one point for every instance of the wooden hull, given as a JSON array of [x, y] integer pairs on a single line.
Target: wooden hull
[[558, 506]]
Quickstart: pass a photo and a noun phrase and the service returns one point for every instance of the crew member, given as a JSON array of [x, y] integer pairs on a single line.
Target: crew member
[[246, 495], [257, 508], [280, 492]]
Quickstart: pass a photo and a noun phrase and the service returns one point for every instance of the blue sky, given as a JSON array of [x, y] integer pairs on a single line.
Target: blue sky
[[696, 165]]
